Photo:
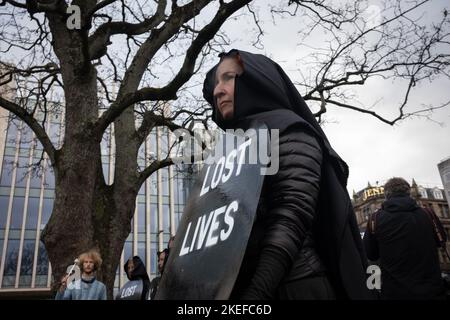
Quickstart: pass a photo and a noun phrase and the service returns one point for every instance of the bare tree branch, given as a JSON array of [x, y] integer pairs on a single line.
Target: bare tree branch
[[14, 3], [154, 166], [260, 30], [98, 7], [50, 68], [33, 124], [100, 39]]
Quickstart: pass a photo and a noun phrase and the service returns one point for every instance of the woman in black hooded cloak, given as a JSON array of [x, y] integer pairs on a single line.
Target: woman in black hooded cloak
[[304, 243], [135, 270]]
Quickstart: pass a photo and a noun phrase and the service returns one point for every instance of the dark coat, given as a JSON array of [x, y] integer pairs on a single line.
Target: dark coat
[[154, 287], [404, 243], [139, 273], [305, 205]]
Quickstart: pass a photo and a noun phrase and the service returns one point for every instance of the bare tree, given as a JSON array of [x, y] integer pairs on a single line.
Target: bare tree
[[149, 51], [390, 40]]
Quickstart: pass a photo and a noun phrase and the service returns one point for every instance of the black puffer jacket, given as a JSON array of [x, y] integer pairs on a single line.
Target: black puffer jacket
[[282, 230]]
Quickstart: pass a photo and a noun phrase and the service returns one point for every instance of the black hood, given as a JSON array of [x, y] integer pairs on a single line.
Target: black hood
[[138, 272], [258, 89], [400, 204], [264, 92]]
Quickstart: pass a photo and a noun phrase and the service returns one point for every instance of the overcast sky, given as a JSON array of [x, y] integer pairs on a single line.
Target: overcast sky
[[373, 150]]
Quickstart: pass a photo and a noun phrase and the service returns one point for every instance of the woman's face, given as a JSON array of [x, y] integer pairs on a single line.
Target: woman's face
[[130, 267], [161, 258], [224, 86]]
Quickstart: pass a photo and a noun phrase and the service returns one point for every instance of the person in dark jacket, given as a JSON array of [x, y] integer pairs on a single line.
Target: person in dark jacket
[[135, 270], [163, 256], [401, 236], [304, 243]]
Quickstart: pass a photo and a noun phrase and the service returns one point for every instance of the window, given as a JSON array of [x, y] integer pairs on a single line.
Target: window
[[54, 134], [153, 144], [26, 266], [12, 133], [32, 214], [12, 254], [141, 217], [130, 236], [4, 201], [7, 170], [47, 208], [105, 144], [438, 194], [127, 250], [164, 143], [38, 147], [17, 213], [141, 157], [179, 190], [105, 168], [36, 178], [153, 184], [26, 136], [42, 267], [177, 219], [22, 172], [154, 218], [141, 251], [423, 192], [166, 218], [165, 181], [153, 258]]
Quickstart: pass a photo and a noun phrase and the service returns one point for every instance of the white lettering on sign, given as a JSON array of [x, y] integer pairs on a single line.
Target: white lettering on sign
[[228, 163], [128, 292], [229, 220], [208, 227]]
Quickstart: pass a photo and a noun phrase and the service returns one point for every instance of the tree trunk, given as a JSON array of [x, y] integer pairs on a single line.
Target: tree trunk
[[87, 213]]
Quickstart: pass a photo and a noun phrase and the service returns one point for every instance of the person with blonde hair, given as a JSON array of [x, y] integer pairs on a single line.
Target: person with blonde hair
[[88, 287]]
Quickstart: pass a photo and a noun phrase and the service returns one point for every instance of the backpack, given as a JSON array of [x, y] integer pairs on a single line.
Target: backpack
[[439, 231], [372, 222]]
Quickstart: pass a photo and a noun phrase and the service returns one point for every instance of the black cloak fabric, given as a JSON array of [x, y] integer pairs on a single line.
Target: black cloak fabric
[[263, 92], [138, 273]]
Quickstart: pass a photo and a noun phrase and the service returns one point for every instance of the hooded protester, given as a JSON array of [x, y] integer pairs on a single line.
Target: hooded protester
[[135, 270], [163, 256], [305, 243], [401, 237]]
